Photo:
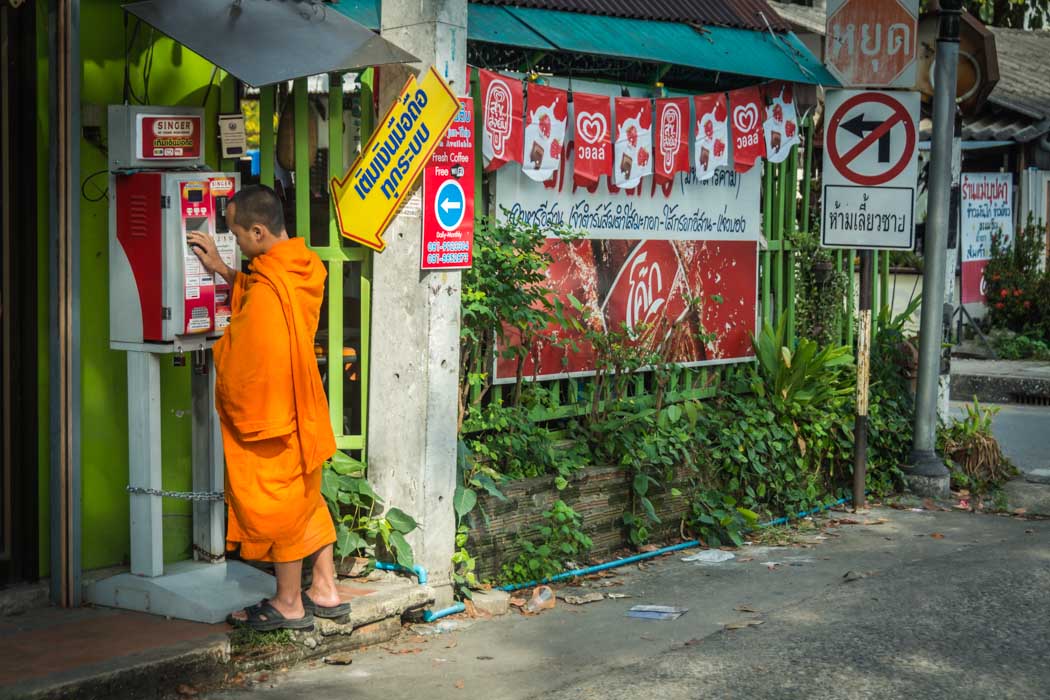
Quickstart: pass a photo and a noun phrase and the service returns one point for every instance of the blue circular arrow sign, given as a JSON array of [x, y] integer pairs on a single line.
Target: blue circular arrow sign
[[449, 205]]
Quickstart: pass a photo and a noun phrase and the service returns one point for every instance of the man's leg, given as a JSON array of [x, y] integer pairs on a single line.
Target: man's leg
[[288, 600], [322, 589]]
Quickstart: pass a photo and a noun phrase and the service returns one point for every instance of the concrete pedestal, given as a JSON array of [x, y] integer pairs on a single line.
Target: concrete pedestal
[[189, 590]]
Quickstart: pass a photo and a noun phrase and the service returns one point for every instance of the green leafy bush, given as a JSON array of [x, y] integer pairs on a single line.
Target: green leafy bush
[[548, 551], [360, 523], [1013, 346], [1018, 283]]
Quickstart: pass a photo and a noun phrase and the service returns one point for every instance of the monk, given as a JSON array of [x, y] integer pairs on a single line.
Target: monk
[[274, 414]]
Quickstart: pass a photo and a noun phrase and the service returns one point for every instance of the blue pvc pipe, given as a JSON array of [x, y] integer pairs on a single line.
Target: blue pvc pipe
[[648, 555], [419, 571], [430, 615]]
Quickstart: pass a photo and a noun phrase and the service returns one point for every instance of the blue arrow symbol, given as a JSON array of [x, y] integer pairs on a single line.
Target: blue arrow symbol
[[449, 204]]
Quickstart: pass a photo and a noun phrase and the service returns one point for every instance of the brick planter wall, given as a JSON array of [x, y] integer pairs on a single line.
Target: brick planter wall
[[599, 494]]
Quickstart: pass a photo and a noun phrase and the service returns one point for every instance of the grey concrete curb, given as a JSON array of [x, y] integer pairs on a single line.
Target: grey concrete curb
[[996, 389]]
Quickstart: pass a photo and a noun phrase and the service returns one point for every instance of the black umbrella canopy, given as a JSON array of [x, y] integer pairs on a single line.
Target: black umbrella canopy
[[269, 41]]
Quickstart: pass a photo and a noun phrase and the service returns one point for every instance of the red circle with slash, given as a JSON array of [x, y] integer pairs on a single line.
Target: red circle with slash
[[842, 161]]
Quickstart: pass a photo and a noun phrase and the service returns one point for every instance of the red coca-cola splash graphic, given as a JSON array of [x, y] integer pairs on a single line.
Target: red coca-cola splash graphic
[[642, 288]]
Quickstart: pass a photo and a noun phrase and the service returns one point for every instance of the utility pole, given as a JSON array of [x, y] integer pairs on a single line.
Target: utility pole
[[927, 475]]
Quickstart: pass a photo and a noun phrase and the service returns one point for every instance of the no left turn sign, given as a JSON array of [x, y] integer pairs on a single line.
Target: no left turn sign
[[870, 169]]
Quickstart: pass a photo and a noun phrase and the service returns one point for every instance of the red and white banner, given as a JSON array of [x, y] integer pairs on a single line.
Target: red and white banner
[[987, 213], [633, 152], [593, 155], [746, 109], [502, 109], [544, 131], [781, 125], [672, 139], [710, 147]]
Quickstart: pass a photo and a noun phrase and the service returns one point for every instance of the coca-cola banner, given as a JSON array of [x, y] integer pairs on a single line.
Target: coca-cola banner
[[502, 109], [781, 125], [710, 147], [633, 154], [544, 131], [672, 139], [593, 143], [643, 258], [746, 109]]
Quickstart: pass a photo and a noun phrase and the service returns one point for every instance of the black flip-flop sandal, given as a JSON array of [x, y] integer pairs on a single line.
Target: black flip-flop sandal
[[328, 612], [266, 618], [237, 622]]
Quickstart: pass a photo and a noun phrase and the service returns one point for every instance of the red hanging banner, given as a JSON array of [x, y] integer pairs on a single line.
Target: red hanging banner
[[503, 104], [633, 154], [672, 139], [781, 125], [594, 151], [746, 111], [544, 131], [710, 149]]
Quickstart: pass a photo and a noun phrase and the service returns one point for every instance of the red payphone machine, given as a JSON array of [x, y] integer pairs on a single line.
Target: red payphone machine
[[159, 293], [162, 303]]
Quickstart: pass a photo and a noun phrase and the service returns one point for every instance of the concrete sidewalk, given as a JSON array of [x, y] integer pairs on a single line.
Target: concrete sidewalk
[[105, 653]]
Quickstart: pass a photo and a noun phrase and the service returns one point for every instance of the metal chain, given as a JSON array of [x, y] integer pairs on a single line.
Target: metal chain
[[181, 495], [208, 555]]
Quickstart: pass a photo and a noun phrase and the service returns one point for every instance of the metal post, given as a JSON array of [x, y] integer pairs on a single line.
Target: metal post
[[860, 427], [927, 475], [209, 474], [147, 539]]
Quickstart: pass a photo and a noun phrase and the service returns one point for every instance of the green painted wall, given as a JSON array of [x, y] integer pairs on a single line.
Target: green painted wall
[[179, 77]]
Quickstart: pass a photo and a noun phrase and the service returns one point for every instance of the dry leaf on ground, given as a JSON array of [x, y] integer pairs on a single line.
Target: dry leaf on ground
[[936, 535], [744, 624], [745, 608], [460, 684]]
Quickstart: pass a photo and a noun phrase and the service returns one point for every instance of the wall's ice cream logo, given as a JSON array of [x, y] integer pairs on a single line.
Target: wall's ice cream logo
[[748, 142], [591, 128], [498, 116], [745, 118]]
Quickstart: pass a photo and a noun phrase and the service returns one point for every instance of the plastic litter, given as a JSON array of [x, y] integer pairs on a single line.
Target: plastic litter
[[710, 556], [656, 612], [542, 599]]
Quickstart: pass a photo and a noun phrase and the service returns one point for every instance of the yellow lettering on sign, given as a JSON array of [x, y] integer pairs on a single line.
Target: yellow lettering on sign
[[382, 177]]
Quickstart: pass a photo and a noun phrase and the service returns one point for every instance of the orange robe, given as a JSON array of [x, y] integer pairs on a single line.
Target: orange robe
[[273, 410]]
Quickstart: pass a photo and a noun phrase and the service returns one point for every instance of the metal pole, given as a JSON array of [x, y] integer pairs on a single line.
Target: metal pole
[[860, 427], [927, 474]]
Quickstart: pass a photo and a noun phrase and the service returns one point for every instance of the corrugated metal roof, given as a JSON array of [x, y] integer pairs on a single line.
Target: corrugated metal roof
[[810, 19], [1024, 81], [715, 49], [743, 14]]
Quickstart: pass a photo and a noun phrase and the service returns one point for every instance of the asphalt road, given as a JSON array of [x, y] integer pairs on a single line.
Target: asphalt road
[[947, 605]]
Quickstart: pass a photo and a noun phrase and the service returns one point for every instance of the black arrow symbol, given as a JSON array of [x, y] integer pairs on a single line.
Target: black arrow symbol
[[858, 126]]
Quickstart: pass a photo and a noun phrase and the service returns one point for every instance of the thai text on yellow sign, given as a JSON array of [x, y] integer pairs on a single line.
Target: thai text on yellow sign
[[380, 180]]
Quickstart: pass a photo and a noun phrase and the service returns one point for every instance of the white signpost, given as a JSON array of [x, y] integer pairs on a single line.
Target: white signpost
[[870, 169]]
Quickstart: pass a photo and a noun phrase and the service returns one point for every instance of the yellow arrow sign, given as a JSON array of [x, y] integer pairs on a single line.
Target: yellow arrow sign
[[381, 178]]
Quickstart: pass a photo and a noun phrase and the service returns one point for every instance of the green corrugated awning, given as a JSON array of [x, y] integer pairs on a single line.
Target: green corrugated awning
[[487, 23], [716, 49], [497, 26], [364, 12]]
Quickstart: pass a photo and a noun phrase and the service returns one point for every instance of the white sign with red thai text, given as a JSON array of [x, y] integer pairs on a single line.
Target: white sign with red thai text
[[987, 213]]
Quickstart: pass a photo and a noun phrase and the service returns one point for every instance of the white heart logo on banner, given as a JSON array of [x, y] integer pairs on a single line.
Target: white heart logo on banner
[[745, 118], [591, 127]]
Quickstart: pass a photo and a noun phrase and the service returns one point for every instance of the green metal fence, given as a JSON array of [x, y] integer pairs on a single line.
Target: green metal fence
[[343, 337], [343, 333]]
